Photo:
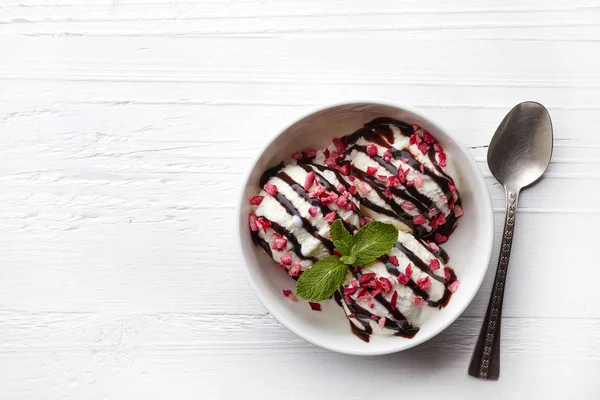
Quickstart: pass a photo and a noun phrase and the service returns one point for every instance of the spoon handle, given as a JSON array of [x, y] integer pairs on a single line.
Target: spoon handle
[[485, 362]]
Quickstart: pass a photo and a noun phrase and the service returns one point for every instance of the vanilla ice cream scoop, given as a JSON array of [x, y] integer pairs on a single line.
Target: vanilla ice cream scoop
[[294, 210]]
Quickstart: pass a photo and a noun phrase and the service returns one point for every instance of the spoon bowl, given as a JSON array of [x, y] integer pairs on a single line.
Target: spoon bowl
[[521, 148]]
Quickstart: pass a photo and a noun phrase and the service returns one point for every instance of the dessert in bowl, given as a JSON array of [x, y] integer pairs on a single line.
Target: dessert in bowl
[[366, 169]]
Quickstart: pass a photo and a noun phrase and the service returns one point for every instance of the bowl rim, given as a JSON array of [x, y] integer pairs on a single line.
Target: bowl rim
[[417, 340]]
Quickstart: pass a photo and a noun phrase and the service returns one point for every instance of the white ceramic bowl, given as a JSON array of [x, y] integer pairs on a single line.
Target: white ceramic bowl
[[469, 247]]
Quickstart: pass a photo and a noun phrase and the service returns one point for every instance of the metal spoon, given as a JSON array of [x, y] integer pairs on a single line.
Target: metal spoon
[[518, 155]]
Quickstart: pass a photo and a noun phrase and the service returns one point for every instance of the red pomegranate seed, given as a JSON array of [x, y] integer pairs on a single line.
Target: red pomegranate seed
[[403, 279], [352, 189], [401, 175], [392, 181], [281, 266], [415, 139], [330, 217], [295, 270], [437, 148], [418, 181], [372, 150], [458, 211], [286, 259], [408, 206], [382, 178], [442, 158], [312, 211], [441, 219], [349, 291], [256, 200], [454, 286], [279, 244], [440, 238], [374, 317], [349, 206], [364, 187], [271, 189], [352, 315], [326, 153], [394, 300], [386, 285], [381, 322], [410, 183], [364, 221], [344, 169], [252, 219], [336, 252], [416, 127], [370, 302], [434, 264], [388, 193], [376, 292], [408, 270], [433, 223], [422, 169], [351, 178], [367, 277], [428, 138], [447, 273], [404, 160], [297, 155], [363, 293], [387, 156], [288, 294], [419, 220], [418, 302], [309, 179], [371, 170], [451, 187], [339, 145], [310, 153], [433, 246], [315, 306], [424, 148], [394, 260], [317, 192], [424, 283], [341, 188], [432, 213], [263, 223]]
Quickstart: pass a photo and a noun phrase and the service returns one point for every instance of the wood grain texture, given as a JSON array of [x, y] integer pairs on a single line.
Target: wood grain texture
[[127, 126]]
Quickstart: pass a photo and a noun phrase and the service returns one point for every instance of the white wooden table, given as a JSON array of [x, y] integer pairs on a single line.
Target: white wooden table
[[126, 127]]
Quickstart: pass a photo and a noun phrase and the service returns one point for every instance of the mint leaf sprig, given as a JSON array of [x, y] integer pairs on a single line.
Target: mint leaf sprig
[[373, 240]]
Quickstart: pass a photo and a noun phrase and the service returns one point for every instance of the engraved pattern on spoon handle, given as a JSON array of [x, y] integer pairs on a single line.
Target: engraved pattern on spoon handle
[[485, 363]]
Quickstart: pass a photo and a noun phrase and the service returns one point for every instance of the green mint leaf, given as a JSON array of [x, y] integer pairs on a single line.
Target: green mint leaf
[[374, 240], [342, 239], [320, 281], [348, 260]]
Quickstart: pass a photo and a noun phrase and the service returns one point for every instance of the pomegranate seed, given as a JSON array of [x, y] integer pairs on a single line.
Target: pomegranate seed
[[418, 181], [367, 277], [428, 138], [382, 178], [271, 189], [328, 198], [447, 273], [363, 293], [279, 244], [392, 181], [437, 148], [418, 302], [253, 222], [404, 160], [370, 302], [451, 187], [410, 183], [372, 150], [286, 259], [458, 211], [394, 300], [416, 127], [424, 283], [422, 168], [419, 220], [317, 192], [344, 169], [381, 322], [349, 291], [434, 264], [330, 217], [364, 221], [442, 158], [288, 294], [281, 266], [295, 270], [342, 202], [440, 238], [309, 179], [424, 148], [441, 220], [387, 156], [388, 193], [386, 285], [336, 252], [364, 187], [408, 206], [326, 153], [374, 317], [401, 175], [352, 315], [349, 206], [352, 189], [433, 223], [376, 292], [414, 139], [341, 188], [297, 155], [312, 211], [339, 145], [315, 306], [433, 246], [432, 213], [263, 223], [351, 178], [393, 260], [256, 200], [403, 279], [310, 153], [371, 170], [454, 286], [408, 270]]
